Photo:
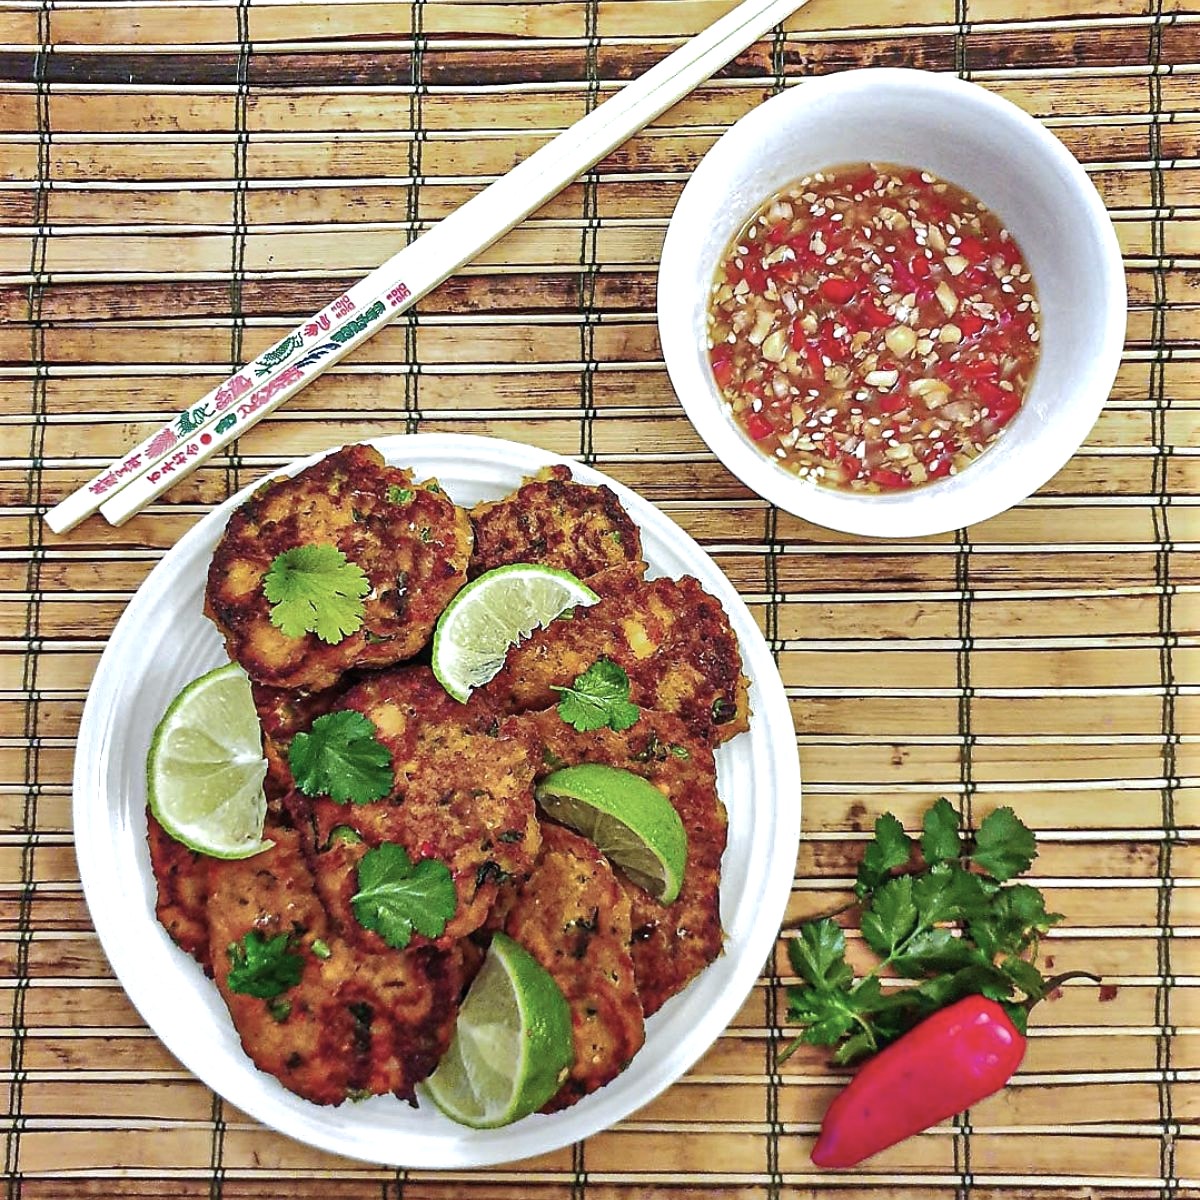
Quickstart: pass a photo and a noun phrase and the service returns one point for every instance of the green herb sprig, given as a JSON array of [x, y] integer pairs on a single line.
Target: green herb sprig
[[342, 759], [598, 699], [951, 921]]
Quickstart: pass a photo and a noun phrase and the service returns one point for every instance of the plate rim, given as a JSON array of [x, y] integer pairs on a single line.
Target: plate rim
[[103, 901]]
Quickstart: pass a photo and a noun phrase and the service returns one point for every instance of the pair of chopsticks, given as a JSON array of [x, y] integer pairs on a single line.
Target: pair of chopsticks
[[206, 427]]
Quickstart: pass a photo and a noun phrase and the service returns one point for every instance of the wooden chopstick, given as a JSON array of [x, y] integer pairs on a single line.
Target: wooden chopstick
[[230, 409]]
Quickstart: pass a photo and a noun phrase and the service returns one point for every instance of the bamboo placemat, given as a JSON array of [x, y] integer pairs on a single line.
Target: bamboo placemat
[[182, 180]]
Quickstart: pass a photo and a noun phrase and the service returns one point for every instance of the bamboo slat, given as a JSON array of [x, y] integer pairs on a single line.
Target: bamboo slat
[[179, 181]]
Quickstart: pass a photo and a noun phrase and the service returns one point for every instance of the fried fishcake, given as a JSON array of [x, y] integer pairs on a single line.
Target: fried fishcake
[[552, 520], [463, 795], [671, 637], [412, 543], [573, 917], [672, 943], [355, 1023], [182, 878], [283, 713]]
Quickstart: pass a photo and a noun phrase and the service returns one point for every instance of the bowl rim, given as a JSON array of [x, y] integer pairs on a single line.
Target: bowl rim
[[916, 512]]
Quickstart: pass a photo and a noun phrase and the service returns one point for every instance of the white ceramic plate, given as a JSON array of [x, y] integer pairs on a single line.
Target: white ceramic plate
[[163, 640]]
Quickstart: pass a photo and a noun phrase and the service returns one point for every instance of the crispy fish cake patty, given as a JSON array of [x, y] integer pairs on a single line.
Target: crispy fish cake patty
[[355, 1023], [182, 878], [671, 637], [573, 917], [463, 795], [551, 519], [672, 943], [412, 543]]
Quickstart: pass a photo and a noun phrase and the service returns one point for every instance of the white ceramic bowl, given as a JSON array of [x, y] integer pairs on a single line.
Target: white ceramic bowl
[[972, 138]]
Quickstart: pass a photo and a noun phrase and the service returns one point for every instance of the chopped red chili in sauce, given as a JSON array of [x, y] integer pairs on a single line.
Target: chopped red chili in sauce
[[873, 327]]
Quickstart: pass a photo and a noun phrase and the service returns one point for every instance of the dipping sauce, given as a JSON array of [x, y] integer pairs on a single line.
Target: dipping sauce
[[873, 327]]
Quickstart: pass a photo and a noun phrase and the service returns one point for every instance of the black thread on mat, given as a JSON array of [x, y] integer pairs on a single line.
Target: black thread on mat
[[416, 146], [589, 266], [1166, 623], [961, 22], [38, 283], [241, 186], [966, 779], [771, 966], [778, 59]]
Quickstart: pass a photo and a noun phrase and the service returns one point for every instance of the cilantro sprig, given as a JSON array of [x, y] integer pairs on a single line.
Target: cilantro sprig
[[262, 967], [396, 896], [598, 698], [316, 589], [341, 758], [947, 918]]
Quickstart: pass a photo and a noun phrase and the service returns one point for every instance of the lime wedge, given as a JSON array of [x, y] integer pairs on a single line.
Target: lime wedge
[[512, 1046], [494, 612], [627, 817], [205, 770]]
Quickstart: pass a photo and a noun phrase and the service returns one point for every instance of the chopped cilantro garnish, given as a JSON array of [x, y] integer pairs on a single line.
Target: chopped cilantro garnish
[[316, 589], [399, 495], [340, 758], [598, 698], [262, 968], [396, 897]]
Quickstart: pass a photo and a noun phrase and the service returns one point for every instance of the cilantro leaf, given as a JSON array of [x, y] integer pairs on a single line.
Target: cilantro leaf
[[948, 893], [1012, 922], [826, 1016], [818, 955], [399, 495], [262, 968], [1004, 846], [939, 840], [598, 698], [932, 950], [316, 589], [396, 897], [890, 848], [1025, 975], [341, 759], [891, 916]]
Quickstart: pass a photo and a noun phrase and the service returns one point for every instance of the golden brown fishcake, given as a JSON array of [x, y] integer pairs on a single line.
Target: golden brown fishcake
[[552, 520], [182, 878], [412, 543], [573, 917], [463, 795], [355, 1023], [672, 943], [283, 713], [671, 637]]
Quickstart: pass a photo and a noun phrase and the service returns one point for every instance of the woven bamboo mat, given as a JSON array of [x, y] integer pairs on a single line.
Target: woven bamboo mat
[[180, 181]]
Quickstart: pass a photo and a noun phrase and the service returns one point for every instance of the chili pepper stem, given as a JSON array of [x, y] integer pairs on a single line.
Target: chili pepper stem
[[1058, 981]]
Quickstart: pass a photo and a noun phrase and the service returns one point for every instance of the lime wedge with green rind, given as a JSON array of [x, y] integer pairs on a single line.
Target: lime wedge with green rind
[[205, 769], [627, 817], [512, 1044], [494, 612]]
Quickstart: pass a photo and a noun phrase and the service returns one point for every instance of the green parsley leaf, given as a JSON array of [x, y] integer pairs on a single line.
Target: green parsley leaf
[[341, 759], [890, 848], [396, 897], [891, 916], [1004, 846], [818, 955], [262, 968], [399, 495], [939, 840], [598, 698], [316, 589]]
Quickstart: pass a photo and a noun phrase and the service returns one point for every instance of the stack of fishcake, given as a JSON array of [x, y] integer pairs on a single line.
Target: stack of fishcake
[[361, 1017]]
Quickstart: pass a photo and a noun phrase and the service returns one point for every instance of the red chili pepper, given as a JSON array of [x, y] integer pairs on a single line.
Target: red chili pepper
[[758, 427], [722, 369], [874, 315], [938, 467], [837, 290], [920, 266], [888, 479], [969, 323], [972, 249], [830, 346], [951, 1060], [892, 402]]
